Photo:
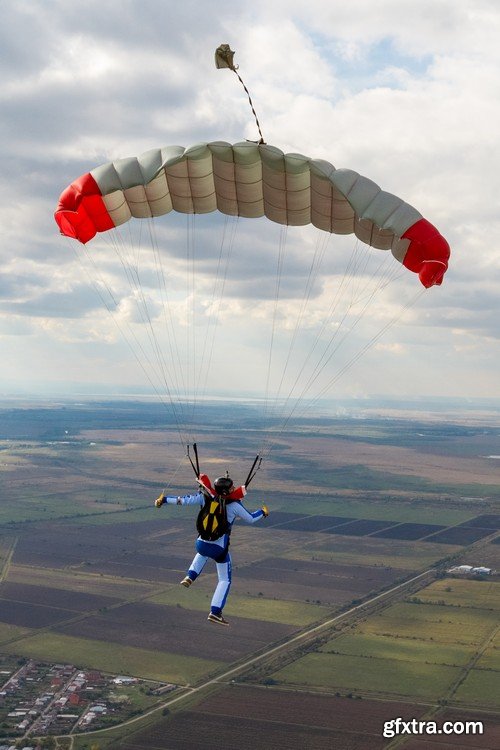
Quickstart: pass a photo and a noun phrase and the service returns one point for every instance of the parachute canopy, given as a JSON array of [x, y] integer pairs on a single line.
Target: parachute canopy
[[252, 180]]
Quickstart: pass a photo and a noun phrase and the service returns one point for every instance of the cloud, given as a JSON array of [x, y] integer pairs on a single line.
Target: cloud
[[401, 92]]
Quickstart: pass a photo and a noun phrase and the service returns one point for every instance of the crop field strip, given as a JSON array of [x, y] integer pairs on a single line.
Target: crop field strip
[[408, 531], [463, 533], [272, 718], [75, 585], [7, 552], [374, 552]]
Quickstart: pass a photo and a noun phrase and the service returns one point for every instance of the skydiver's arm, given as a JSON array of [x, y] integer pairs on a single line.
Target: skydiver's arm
[[240, 511], [185, 499]]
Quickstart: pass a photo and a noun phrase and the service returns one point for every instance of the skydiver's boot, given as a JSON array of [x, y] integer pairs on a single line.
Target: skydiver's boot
[[219, 619], [187, 581]]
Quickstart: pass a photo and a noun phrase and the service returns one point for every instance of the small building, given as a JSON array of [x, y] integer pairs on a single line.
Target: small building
[[481, 571], [121, 680], [461, 569], [470, 570], [94, 677], [99, 709]]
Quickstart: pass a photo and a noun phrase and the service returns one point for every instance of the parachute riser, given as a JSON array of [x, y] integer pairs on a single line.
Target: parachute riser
[[253, 471], [196, 463]]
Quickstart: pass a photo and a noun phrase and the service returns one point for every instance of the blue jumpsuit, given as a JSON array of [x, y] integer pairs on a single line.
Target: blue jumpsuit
[[217, 550]]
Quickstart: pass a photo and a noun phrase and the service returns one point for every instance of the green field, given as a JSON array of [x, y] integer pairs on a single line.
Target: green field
[[433, 622], [458, 592], [375, 508], [113, 658], [64, 505], [402, 649], [79, 580], [9, 632], [121, 515], [367, 477], [419, 648], [481, 688], [360, 674], [372, 551], [255, 608], [490, 659], [7, 545]]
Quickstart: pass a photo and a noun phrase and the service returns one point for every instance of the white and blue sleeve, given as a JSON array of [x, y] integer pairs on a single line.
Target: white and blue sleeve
[[197, 499]]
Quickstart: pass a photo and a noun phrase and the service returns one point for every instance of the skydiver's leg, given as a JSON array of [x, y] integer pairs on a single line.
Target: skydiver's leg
[[223, 586], [197, 566]]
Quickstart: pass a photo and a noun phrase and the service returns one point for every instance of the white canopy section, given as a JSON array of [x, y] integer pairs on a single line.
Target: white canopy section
[[251, 180]]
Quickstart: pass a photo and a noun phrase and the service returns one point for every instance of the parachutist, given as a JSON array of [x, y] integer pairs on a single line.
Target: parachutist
[[220, 505]]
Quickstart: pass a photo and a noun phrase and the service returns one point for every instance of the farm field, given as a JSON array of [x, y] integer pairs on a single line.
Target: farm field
[[120, 584], [90, 570], [372, 646], [441, 643], [460, 592], [490, 659], [245, 716], [249, 717], [369, 676], [433, 622], [108, 656]]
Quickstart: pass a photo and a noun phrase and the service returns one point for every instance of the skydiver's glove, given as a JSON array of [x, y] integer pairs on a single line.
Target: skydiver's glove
[[160, 500], [265, 511]]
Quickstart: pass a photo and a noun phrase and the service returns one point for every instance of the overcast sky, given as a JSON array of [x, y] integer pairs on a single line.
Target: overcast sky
[[403, 91]]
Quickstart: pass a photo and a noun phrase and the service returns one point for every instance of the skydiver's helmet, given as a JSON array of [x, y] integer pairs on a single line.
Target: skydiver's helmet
[[223, 486]]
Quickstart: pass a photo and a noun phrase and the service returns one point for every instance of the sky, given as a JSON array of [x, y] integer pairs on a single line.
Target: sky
[[402, 91]]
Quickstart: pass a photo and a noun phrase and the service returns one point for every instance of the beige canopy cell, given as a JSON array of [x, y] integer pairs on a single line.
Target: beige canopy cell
[[252, 180]]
